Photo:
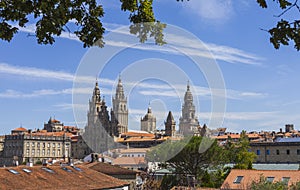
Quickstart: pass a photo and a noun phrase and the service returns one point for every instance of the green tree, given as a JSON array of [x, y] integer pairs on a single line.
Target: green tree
[[286, 30], [267, 185], [239, 153], [52, 17]]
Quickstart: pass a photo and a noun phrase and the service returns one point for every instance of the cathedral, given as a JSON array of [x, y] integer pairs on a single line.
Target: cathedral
[[103, 126], [188, 122]]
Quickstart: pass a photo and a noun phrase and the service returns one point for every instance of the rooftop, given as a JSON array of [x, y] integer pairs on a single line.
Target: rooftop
[[242, 179], [56, 177]]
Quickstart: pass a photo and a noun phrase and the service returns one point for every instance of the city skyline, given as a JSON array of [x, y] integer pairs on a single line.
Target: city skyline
[[261, 82]]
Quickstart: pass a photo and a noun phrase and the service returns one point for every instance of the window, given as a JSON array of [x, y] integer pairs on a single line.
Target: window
[[48, 152], [33, 144], [258, 152], [27, 152], [58, 145], [26, 170], [287, 151], [38, 152], [270, 179], [27, 144], [58, 152], [268, 152], [48, 170], [48, 145], [285, 180], [277, 152], [13, 171], [53, 145], [43, 152], [38, 145], [44, 145], [32, 152], [238, 179], [298, 151], [53, 152]]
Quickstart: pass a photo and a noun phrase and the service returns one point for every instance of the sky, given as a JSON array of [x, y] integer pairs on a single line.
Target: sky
[[237, 78]]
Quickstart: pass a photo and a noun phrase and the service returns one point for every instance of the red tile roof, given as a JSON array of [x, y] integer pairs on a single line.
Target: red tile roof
[[60, 179], [248, 176], [20, 129], [123, 161], [109, 169]]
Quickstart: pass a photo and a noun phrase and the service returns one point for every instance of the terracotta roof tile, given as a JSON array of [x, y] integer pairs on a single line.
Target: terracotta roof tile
[[129, 161], [20, 129], [248, 176], [60, 179], [109, 169]]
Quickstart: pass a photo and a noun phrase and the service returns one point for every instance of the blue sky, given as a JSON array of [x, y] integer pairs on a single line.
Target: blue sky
[[261, 82]]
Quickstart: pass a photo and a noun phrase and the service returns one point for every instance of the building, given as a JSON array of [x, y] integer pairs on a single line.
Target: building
[[99, 132], [283, 150], [24, 145], [58, 177], [188, 122], [133, 152], [129, 176], [133, 163], [53, 125], [242, 179], [79, 148], [140, 139], [148, 122], [170, 125], [120, 110]]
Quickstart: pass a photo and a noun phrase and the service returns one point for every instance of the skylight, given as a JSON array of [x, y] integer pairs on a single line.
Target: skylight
[[76, 168], [238, 179], [285, 180], [66, 169], [26, 170], [48, 170], [270, 179], [13, 171]]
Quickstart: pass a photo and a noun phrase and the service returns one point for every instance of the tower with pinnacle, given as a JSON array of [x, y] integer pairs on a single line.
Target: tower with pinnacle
[[188, 122], [120, 110], [98, 131], [170, 125]]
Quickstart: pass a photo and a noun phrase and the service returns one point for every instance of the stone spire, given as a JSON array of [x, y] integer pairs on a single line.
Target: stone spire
[[188, 121], [120, 110], [170, 125]]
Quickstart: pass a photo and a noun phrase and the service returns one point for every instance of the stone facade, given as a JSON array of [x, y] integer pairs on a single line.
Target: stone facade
[[188, 122], [170, 125], [35, 146], [148, 122], [276, 152], [120, 110]]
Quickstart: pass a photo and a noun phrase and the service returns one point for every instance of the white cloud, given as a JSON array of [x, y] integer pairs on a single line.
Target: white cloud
[[35, 72], [189, 46], [212, 10]]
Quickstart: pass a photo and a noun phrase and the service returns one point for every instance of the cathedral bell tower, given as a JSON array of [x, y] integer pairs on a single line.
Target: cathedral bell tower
[[120, 110]]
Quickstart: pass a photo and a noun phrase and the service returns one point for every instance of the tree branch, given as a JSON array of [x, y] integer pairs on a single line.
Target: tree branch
[[289, 8]]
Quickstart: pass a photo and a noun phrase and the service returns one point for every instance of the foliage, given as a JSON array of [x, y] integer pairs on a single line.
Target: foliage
[[215, 179], [285, 30], [238, 152], [52, 18], [38, 162], [267, 185], [168, 182], [197, 162]]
